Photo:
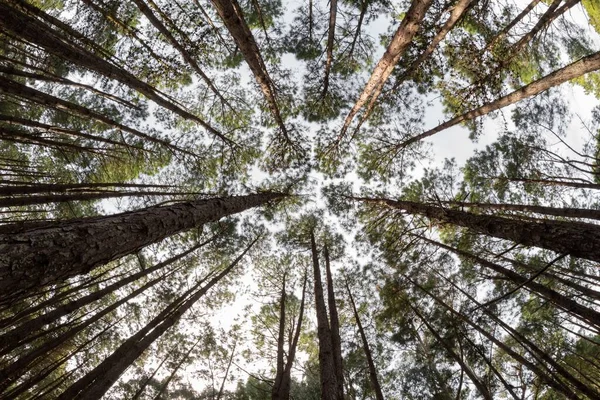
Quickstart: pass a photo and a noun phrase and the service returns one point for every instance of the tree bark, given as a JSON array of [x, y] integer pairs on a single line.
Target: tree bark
[[330, 38], [402, 38], [50, 254], [574, 70], [336, 341], [280, 342], [566, 212], [372, 369], [232, 16], [576, 239], [95, 383], [326, 360]]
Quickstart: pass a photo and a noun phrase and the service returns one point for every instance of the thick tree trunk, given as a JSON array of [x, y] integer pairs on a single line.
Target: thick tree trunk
[[232, 16], [578, 68], [576, 239], [326, 361], [336, 341], [95, 383], [62, 250], [566, 212], [34, 31], [402, 38], [372, 369]]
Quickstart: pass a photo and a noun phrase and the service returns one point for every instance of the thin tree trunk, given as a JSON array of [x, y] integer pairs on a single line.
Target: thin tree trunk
[[483, 390], [23, 187], [330, 39], [326, 360], [26, 92], [165, 385], [280, 342], [504, 31], [578, 185], [232, 16], [17, 336], [586, 314], [220, 394], [578, 68], [34, 31], [286, 382], [38, 257], [143, 386], [336, 341], [184, 53], [95, 383], [372, 369], [402, 38], [576, 239]]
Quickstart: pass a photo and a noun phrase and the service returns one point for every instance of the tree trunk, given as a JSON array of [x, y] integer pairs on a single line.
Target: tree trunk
[[500, 35], [366, 348], [47, 255], [574, 70], [232, 16], [17, 336], [576, 239], [588, 315], [336, 341], [326, 361], [330, 38], [559, 212], [286, 381], [95, 383], [165, 385], [34, 31], [402, 38], [578, 185], [280, 342]]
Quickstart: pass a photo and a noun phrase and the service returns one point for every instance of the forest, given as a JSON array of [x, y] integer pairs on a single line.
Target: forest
[[300, 199]]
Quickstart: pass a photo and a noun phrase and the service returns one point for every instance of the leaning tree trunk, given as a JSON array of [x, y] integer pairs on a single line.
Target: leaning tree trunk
[[372, 369], [326, 361], [402, 38], [577, 239], [500, 35], [573, 70], [95, 383], [56, 252]]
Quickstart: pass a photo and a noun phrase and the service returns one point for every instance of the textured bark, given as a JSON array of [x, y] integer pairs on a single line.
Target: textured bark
[[330, 38], [280, 341], [19, 335], [458, 10], [578, 240], [402, 38], [372, 369], [483, 390], [94, 384], [326, 361], [62, 250], [558, 212], [232, 16], [571, 71], [336, 341], [34, 31]]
